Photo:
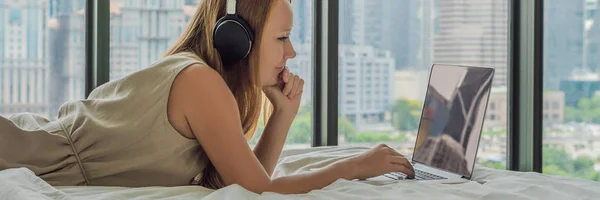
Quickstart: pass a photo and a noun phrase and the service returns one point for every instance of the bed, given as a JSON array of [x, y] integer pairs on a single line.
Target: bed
[[487, 184]]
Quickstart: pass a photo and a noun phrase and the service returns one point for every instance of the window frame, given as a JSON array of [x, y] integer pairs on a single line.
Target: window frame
[[524, 144]]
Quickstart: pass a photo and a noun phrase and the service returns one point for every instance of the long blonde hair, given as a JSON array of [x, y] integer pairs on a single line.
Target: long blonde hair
[[242, 78]]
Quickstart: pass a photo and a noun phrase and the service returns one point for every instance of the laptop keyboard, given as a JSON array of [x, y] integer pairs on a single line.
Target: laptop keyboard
[[419, 175]]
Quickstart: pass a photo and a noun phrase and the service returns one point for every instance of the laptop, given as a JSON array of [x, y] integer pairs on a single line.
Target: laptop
[[451, 123]]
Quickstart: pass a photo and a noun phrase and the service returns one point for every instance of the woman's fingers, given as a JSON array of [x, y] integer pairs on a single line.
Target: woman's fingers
[[301, 87], [289, 85], [403, 169], [402, 164], [296, 88], [286, 75], [390, 150]]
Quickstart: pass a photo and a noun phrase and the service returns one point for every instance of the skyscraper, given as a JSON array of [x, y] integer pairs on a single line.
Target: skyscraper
[[23, 57], [472, 32], [301, 38], [592, 54], [426, 17], [141, 32], [563, 40], [391, 25], [42, 58], [365, 85], [66, 33], [302, 30]]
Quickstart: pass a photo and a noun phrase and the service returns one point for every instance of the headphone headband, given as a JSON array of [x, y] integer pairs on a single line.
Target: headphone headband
[[231, 7], [232, 35]]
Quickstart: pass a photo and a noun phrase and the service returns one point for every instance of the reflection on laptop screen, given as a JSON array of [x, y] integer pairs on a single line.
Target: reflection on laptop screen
[[452, 118]]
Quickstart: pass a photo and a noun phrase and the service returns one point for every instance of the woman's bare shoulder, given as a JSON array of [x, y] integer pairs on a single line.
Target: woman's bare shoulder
[[194, 88]]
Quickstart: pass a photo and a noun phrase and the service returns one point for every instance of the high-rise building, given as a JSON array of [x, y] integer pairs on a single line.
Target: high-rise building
[[400, 31], [302, 30], [391, 25], [24, 58], [42, 58], [301, 37], [592, 51], [142, 31], [426, 17], [346, 22], [472, 32], [302, 66], [496, 116], [66, 33], [579, 87], [563, 40], [590, 8], [365, 85], [410, 84]]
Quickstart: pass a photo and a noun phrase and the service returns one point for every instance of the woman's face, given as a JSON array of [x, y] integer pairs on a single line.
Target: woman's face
[[275, 46]]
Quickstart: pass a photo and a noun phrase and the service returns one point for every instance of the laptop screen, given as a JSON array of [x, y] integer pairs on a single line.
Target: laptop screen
[[452, 117]]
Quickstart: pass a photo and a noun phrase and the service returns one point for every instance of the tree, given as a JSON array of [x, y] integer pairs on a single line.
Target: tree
[[305, 109], [406, 114], [554, 170], [559, 157], [587, 110], [596, 177], [582, 163], [557, 162], [300, 131], [346, 129], [494, 164]]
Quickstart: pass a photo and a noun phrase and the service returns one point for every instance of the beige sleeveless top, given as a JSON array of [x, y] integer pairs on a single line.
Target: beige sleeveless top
[[119, 136]]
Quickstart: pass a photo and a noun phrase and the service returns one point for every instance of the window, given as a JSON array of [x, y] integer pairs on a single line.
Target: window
[[140, 36], [30, 81], [15, 16], [405, 46], [571, 60], [555, 105]]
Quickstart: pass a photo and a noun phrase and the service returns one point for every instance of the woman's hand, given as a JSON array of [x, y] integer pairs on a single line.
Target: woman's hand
[[286, 95], [377, 161]]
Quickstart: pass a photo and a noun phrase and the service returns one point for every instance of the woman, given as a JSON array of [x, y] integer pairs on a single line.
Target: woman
[[186, 119]]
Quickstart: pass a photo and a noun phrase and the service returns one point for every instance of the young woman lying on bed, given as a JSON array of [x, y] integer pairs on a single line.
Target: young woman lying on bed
[[187, 118]]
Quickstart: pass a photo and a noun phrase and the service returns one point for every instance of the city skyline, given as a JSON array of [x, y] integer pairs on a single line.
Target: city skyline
[[386, 49], [137, 43]]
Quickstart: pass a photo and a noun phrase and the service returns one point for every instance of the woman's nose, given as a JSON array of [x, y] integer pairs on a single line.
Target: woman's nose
[[290, 53]]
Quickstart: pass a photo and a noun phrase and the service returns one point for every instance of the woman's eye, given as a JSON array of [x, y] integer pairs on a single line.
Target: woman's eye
[[283, 38]]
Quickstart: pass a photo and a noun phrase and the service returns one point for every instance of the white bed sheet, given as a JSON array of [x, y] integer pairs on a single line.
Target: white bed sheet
[[497, 184]]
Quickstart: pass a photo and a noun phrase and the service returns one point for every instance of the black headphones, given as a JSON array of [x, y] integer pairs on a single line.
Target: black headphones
[[232, 36]]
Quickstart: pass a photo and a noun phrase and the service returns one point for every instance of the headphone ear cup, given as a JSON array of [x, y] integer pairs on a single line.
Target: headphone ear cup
[[232, 37]]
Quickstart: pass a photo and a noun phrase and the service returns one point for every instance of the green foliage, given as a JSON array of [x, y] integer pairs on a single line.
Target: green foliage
[[496, 133], [346, 129], [301, 130], [587, 110], [370, 137], [554, 170], [558, 162], [494, 165], [406, 114]]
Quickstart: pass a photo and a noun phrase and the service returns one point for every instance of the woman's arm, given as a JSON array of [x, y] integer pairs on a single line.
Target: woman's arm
[[213, 116], [269, 146], [285, 98]]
